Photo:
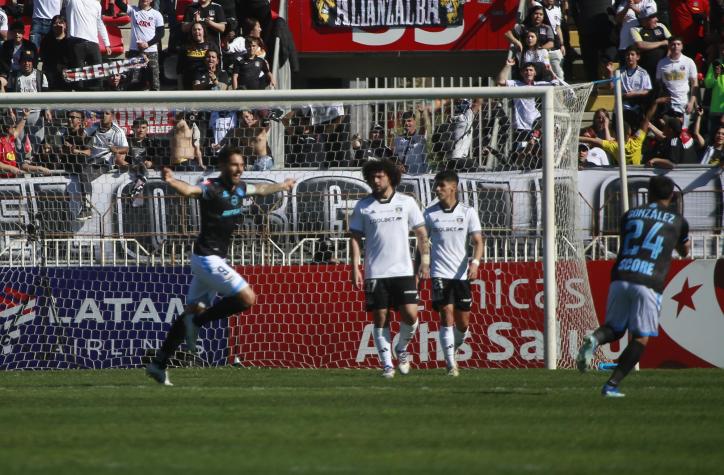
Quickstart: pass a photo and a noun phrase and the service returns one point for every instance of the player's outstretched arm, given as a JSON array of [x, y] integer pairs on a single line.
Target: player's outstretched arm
[[263, 190], [181, 187], [424, 249], [356, 244]]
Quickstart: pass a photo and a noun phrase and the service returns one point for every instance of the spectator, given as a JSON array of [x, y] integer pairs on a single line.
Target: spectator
[[252, 136], [27, 78], [146, 34], [677, 77], [193, 57], [635, 82], [54, 52], [213, 77], [652, 40], [252, 72], [594, 30], [260, 10], [142, 156], [712, 154], [714, 80], [109, 145], [186, 144], [461, 137], [43, 13], [115, 82], [690, 21], [627, 16], [10, 164], [85, 26], [526, 113], [530, 52], [409, 147], [3, 25], [229, 8], [633, 142], [252, 27], [233, 49], [677, 147], [601, 125], [533, 22], [210, 15], [220, 124], [11, 50], [373, 148], [591, 157], [554, 18]]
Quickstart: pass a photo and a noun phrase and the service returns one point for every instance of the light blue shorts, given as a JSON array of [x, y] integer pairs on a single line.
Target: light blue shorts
[[633, 307], [212, 275]]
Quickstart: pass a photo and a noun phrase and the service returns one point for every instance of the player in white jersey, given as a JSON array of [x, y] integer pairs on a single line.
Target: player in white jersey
[[384, 219], [449, 224]]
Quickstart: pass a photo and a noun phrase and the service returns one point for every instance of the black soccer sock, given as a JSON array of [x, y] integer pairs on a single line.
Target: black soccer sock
[[173, 339], [604, 334], [628, 359], [225, 307]]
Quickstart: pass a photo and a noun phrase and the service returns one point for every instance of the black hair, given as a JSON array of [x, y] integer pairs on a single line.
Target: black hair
[[248, 24], [528, 64], [674, 124], [660, 188], [627, 129], [226, 153], [408, 115], [139, 121], [373, 167], [633, 48], [447, 175], [673, 38]]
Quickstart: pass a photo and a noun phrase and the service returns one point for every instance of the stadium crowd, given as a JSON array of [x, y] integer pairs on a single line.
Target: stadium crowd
[[669, 54]]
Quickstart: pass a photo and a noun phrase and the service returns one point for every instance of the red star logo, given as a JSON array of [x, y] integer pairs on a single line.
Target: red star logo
[[685, 297]]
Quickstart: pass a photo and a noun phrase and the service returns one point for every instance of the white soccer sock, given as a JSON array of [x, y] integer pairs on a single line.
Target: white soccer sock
[[407, 333], [459, 337], [447, 339], [383, 342]]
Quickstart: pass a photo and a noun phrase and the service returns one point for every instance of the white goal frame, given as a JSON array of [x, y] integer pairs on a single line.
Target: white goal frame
[[223, 99]]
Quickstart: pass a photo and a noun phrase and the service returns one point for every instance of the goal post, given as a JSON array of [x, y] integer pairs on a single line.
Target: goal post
[[100, 289]]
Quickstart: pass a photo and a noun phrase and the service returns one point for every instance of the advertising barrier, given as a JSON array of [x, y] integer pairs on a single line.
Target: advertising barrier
[[310, 316]]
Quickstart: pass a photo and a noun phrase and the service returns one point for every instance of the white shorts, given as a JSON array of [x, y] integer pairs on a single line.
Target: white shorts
[[633, 307], [211, 276]]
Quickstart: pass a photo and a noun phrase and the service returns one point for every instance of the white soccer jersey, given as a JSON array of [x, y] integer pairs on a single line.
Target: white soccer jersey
[[386, 226], [449, 231], [631, 21], [636, 80], [675, 75], [85, 21], [143, 26], [102, 141]]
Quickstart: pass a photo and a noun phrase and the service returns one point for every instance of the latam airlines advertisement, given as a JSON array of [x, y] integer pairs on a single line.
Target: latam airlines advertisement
[[310, 316]]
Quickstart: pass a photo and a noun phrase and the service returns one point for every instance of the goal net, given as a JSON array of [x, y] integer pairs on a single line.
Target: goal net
[[95, 246]]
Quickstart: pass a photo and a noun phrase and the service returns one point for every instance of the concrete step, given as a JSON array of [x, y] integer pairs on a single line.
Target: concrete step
[[597, 101]]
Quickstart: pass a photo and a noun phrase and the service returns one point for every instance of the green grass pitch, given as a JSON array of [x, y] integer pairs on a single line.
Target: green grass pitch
[[276, 421]]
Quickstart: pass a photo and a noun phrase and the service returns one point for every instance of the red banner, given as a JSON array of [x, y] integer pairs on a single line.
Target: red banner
[[310, 316], [483, 27]]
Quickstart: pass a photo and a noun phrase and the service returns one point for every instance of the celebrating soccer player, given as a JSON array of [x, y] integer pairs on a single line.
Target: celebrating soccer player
[[449, 223], [221, 203], [648, 236], [385, 219]]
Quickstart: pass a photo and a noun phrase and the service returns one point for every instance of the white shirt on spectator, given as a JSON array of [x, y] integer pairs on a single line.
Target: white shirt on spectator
[[103, 140], [143, 27], [238, 45], [85, 21], [598, 156], [631, 21], [222, 124], [46, 9], [526, 111], [3, 21], [676, 75], [635, 80], [462, 134]]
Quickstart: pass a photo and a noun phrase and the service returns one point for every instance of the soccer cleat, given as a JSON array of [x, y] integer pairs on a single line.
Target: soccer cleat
[[611, 391], [585, 354], [158, 374], [388, 372], [192, 333], [453, 371], [403, 362]]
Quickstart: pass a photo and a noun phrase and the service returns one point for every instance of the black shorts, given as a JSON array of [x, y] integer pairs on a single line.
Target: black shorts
[[451, 291], [391, 292]]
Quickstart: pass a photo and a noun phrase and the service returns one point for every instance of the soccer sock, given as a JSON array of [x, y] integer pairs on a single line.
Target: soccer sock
[[447, 338], [173, 339], [459, 336], [225, 307], [383, 342], [604, 334], [407, 333], [628, 359]]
